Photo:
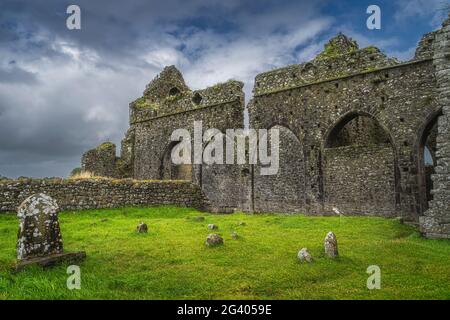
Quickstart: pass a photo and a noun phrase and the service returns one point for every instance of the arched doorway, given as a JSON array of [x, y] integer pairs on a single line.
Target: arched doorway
[[426, 154], [359, 165], [170, 171]]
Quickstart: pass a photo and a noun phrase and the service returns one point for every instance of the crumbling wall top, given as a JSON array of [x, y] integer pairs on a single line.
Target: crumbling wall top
[[425, 48], [169, 82], [168, 94], [341, 57]]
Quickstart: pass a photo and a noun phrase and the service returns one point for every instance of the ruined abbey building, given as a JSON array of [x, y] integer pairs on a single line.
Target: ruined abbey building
[[360, 134]]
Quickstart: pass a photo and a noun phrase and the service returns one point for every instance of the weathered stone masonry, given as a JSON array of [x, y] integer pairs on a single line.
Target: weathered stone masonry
[[102, 193], [436, 222], [101, 160], [168, 104], [394, 100], [354, 127]]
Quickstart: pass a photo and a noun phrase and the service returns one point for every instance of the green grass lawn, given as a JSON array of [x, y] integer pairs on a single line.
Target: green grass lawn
[[172, 261]]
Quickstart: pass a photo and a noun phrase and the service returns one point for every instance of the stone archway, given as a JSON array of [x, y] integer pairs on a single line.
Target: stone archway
[[170, 171], [426, 155], [359, 165]]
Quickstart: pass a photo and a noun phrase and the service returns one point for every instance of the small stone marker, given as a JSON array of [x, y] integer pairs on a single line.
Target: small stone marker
[[39, 238], [142, 228], [234, 235], [304, 255], [331, 245], [212, 227], [213, 240]]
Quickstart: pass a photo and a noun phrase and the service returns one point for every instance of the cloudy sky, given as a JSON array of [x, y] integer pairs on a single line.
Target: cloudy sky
[[65, 91]]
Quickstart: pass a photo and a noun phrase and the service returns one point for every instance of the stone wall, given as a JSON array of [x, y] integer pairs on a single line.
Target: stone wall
[[102, 193], [285, 190], [360, 180], [168, 104], [160, 113], [228, 187], [436, 222], [101, 161], [346, 85], [340, 57], [153, 138]]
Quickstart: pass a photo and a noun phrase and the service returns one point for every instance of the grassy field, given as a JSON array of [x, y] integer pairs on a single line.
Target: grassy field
[[172, 262]]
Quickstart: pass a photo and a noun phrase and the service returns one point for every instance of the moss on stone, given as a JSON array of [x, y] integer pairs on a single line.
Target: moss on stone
[[329, 52], [173, 98], [370, 69], [336, 47], [141, 103], [371, 49], [105, 145]]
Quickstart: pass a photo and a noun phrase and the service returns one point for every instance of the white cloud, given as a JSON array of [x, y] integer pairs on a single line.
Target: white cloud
[[436, 9], [242, 57], [75, 104]]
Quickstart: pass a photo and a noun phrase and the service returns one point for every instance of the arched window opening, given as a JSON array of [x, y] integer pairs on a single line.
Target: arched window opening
[[197, 98], [427, 161], [357, 130], [174, 91]]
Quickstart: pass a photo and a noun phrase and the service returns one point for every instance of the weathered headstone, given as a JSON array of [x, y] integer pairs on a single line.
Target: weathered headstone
[[331, 245], [304, 255], [39, 238], [212, 227], [213, 240], [39, 232], [142, 228]]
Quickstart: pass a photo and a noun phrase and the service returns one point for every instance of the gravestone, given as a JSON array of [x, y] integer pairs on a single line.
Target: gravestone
[[331, 245], [304, 255], [39, 238], [142, 228], [213, 240]]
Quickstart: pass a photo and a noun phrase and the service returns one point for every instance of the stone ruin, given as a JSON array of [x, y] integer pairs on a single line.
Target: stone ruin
[[360, 132], [39, 237]]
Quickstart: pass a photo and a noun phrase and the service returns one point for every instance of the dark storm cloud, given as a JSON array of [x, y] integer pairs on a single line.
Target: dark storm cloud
[[118, 25], [63, 91]]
